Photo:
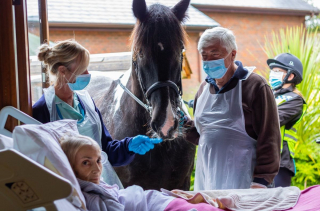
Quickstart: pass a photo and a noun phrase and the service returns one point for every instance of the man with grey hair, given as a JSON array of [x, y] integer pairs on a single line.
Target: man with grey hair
[[236, 123]]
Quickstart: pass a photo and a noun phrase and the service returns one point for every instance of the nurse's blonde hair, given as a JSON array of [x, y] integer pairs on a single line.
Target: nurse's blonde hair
[[63, 53], [72, 144]]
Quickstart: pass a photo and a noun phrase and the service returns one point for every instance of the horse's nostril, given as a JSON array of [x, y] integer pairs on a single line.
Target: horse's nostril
[[170, 133], [154, 126]]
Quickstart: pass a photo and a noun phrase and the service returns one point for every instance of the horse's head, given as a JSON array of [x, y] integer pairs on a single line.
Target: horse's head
[[157, 43]]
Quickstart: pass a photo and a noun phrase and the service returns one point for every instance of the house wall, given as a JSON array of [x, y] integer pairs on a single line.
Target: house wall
[[190, 86], [250, 31], [95, 41], [111, 42]]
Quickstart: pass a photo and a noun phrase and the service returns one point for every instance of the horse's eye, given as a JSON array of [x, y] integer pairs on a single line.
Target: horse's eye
[[140, 54]]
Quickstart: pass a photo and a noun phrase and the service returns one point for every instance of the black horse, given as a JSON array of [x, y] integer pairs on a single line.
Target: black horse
[[157, 43]]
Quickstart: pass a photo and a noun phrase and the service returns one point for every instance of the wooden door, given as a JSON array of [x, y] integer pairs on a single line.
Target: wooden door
[[15, 82]]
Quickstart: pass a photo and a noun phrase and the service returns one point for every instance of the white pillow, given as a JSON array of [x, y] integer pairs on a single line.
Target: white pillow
[[6, 142], [41, 143]]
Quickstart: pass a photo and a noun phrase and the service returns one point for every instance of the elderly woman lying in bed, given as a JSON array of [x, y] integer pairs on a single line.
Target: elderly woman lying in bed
[[40, 143], [84, 155]]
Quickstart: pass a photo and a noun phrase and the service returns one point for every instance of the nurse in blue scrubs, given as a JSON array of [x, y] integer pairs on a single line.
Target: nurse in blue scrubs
[[67, 64]]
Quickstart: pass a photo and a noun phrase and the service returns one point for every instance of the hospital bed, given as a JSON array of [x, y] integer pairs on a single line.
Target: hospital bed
[[15, 113], [24, 176], [25, 184]]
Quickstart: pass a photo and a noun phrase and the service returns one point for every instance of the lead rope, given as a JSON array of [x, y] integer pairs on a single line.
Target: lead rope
[[143, 89], [181, 112], [147, 107]]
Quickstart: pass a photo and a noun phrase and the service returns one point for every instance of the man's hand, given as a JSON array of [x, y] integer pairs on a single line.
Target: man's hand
[[256, 185]]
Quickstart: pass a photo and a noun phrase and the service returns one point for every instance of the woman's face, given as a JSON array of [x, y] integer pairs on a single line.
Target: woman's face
[[70, 75], [88, 166], [278, 69]]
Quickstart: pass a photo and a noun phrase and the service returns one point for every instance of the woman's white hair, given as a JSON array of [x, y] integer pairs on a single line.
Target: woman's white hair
[[71, 144], [218, 34]]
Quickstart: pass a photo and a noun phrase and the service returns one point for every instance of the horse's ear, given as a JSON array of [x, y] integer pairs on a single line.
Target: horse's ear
[[180, 9], [139, 8]]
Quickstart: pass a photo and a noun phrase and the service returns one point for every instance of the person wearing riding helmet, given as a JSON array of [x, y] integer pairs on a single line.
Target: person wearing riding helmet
[[286, 73]]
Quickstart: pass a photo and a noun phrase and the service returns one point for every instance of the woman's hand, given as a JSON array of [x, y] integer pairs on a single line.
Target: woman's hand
[[141, 144]]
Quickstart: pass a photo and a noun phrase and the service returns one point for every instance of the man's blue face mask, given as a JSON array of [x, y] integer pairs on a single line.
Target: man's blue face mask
[[215, 68], [82, 82], [275, 79]]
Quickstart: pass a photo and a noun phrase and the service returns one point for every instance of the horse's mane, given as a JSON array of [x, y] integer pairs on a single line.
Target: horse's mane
[[160, 25]]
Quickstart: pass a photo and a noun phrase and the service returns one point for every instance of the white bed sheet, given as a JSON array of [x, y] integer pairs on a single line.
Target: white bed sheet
[[6, 142]]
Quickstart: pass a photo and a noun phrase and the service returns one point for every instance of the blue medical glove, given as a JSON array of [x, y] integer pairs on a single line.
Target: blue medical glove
[[141, 144]]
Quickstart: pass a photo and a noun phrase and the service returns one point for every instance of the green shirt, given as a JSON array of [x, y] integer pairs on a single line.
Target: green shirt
[[68, 112]]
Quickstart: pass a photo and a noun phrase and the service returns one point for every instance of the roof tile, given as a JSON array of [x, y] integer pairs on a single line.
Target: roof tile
[[106, 12], [267, 4]]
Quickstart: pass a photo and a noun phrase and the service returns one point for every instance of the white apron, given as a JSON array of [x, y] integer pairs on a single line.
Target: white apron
[[90, 126], [226, 153]]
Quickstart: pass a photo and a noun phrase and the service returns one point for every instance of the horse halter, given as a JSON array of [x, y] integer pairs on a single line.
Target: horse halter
[[159, 84], [153, 87]]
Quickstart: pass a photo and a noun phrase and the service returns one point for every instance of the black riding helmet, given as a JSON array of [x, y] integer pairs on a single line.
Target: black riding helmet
[[291, 64]]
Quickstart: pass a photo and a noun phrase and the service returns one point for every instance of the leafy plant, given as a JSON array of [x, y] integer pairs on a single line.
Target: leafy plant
[[312, 21], [306, 46]]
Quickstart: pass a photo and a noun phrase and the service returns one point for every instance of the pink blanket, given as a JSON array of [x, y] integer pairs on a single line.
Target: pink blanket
[[309, 201]]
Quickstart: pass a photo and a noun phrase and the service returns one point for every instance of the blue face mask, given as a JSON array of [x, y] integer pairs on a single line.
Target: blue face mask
[[82, 82], [275, 79], [215, 68]]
